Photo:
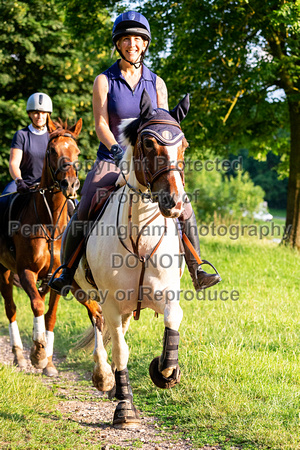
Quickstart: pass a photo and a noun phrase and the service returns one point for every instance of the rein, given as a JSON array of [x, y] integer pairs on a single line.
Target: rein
[[50, 236], [135, 247]]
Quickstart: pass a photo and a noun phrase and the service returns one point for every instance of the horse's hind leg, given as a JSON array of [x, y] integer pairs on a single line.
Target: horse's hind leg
[[103, 378], [6, 288], [126, 415], [164, 370]]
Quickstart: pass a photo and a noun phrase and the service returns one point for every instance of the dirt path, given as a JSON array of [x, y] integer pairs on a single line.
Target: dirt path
[[83, 405]]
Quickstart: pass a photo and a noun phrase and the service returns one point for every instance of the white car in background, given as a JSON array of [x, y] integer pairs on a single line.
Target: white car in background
[[263, 215]]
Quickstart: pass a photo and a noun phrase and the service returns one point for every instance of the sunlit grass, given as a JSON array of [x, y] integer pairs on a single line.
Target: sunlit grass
[[239, 358]]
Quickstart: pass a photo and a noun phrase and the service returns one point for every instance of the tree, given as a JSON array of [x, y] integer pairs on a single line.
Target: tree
[[57, 48], [230, 56]]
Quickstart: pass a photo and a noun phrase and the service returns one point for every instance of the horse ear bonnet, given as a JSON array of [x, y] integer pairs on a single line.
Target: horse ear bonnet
[[146, 106], [165, 127], [180, 111]]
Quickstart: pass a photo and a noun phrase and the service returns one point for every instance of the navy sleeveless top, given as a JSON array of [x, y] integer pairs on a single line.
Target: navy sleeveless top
[[123, 102]]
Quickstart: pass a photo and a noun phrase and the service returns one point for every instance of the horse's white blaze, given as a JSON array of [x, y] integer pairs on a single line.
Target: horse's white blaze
[[39, 329], [14, 334]]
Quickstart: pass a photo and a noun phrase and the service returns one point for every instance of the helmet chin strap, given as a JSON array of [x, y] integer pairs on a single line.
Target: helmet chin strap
[[136, 64]]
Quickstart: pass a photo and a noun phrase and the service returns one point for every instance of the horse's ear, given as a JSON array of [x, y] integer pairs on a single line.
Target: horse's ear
[[181, 110], [146, 106], [75, 129], [50, 124]]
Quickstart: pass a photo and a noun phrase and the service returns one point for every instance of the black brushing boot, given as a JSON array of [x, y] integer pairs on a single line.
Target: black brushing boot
[[201, 279]]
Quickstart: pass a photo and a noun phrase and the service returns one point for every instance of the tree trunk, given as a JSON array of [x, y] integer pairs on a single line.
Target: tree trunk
[[293, 200]]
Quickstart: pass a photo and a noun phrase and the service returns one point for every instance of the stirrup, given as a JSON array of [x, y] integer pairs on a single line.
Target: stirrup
[[62, 266], [204, 261]]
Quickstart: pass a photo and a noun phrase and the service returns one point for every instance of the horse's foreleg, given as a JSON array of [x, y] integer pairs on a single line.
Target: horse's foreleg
[[38, 354], [164, 370], [50, 319], [6, 288]]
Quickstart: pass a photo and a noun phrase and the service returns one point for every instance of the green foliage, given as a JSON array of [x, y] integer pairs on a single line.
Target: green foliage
[[263, 173], [222, 53], [43, 48], [233, 57], [214, 194]]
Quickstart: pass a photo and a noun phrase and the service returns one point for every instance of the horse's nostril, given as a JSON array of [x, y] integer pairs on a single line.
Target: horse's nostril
[[64, 184], [76, 184], [167, 200]]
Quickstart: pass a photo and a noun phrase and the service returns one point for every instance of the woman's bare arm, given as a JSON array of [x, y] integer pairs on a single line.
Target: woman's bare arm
[[162, 94], [100, 100]]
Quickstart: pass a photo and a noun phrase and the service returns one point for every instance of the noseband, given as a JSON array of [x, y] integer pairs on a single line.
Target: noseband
[[149, 177]]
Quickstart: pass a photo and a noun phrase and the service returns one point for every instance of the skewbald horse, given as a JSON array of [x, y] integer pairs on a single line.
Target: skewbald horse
[[36, 253], [147, 206]]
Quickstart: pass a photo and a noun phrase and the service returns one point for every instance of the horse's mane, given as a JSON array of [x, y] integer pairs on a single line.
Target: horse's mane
[[62, 124], [128, 132]]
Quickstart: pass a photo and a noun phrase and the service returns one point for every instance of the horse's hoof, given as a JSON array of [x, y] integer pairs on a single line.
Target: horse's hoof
[[19, 359], [126, 415], [112, 393], [50, 370], [103, 382], [159, 380], [38, 355]]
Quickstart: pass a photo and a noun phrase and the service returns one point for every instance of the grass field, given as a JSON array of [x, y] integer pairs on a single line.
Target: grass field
[[239, 358]]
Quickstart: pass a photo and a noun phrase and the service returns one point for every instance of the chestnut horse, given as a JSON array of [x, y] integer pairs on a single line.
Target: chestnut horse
[[30, 247], [128, 248]]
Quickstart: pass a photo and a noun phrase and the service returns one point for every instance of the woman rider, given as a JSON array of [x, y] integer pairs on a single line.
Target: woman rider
[[29, 145], [116, 96]]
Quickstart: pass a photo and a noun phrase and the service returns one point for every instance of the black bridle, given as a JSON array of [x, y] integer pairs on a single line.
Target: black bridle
[[62, 168], [149, 177]]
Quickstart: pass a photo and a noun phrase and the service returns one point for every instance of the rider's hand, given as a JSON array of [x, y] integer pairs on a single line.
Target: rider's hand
[[117, 153], [22, 187]]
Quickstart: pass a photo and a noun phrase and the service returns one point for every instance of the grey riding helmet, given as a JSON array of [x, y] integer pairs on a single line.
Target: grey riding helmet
[[39, 102]]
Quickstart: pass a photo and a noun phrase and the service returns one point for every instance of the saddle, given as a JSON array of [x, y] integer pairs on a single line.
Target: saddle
[[98, 206], [10, 215], [100, 201]]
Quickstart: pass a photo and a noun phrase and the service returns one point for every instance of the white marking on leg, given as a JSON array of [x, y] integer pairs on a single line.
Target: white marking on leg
[[39, 329], [50, 342], [14, 334]]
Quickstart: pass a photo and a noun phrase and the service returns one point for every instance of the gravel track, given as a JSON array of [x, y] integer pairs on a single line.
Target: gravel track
[[91, 409]]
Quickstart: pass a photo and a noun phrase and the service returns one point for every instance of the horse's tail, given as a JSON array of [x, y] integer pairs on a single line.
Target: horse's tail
[[87, 339]]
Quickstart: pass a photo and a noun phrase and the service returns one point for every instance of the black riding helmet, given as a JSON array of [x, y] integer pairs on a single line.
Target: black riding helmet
[[131, 23]]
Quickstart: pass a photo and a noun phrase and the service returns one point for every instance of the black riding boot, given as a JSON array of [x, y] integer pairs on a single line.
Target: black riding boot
[[201, 279], [74, 248]]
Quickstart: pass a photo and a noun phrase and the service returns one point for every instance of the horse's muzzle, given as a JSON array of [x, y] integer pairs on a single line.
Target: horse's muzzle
[[169, 205], [69, 187]]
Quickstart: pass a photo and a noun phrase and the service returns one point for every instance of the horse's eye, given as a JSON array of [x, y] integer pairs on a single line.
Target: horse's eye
[[148, 144], [53, 151]]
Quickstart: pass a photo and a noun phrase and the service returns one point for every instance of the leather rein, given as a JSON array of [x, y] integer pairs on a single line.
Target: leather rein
[[135, 247], [149, 178], [50, 236]]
